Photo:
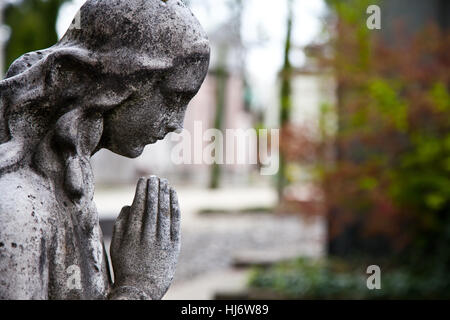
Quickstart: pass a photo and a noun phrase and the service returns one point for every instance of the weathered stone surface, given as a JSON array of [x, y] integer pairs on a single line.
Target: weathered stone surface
[[121, 81]]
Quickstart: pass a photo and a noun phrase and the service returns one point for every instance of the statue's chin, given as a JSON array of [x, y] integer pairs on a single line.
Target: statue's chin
[[134, 153], [129, 153]]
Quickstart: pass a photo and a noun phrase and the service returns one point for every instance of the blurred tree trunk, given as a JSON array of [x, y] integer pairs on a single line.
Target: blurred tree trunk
[[3, 38], [285, 95], [230, 41], [221, 76]]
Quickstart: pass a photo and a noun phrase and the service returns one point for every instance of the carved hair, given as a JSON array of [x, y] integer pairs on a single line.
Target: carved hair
[[45, 100]]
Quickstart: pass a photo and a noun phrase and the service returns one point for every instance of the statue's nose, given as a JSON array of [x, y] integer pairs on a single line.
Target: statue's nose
[[174, 126], [176, 123]]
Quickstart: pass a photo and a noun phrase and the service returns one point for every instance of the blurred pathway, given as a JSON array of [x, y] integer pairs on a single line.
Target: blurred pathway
[[211, 242]]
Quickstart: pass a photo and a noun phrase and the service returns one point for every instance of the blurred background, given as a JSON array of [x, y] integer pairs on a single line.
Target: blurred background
[[364, 148]]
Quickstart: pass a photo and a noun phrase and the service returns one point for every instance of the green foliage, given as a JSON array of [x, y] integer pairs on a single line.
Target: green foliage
[[32, 24], [335, 279], [388, 103], [440, 97], [307, 280]]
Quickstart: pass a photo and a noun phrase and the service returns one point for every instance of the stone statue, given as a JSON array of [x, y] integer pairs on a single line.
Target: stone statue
[[120, 81]]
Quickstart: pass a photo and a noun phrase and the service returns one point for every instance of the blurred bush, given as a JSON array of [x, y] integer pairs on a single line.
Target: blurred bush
[[32, 24], [387, 190], [338, 279], [391, 179]]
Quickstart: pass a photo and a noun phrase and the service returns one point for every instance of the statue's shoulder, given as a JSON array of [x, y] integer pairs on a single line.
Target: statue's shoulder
[[24, 199]]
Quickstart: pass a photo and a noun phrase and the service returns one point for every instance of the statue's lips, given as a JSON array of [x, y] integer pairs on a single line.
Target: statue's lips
[[155, 139]]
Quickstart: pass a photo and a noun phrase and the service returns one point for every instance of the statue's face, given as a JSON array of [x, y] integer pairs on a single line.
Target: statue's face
[[156, 107]]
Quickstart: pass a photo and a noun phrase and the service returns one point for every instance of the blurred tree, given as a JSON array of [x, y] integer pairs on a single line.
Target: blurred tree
[[221, 76], [32, 24], [285, 95], [221, 73]]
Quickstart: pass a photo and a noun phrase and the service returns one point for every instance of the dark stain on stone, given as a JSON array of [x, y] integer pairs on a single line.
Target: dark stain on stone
[[42, 257]]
